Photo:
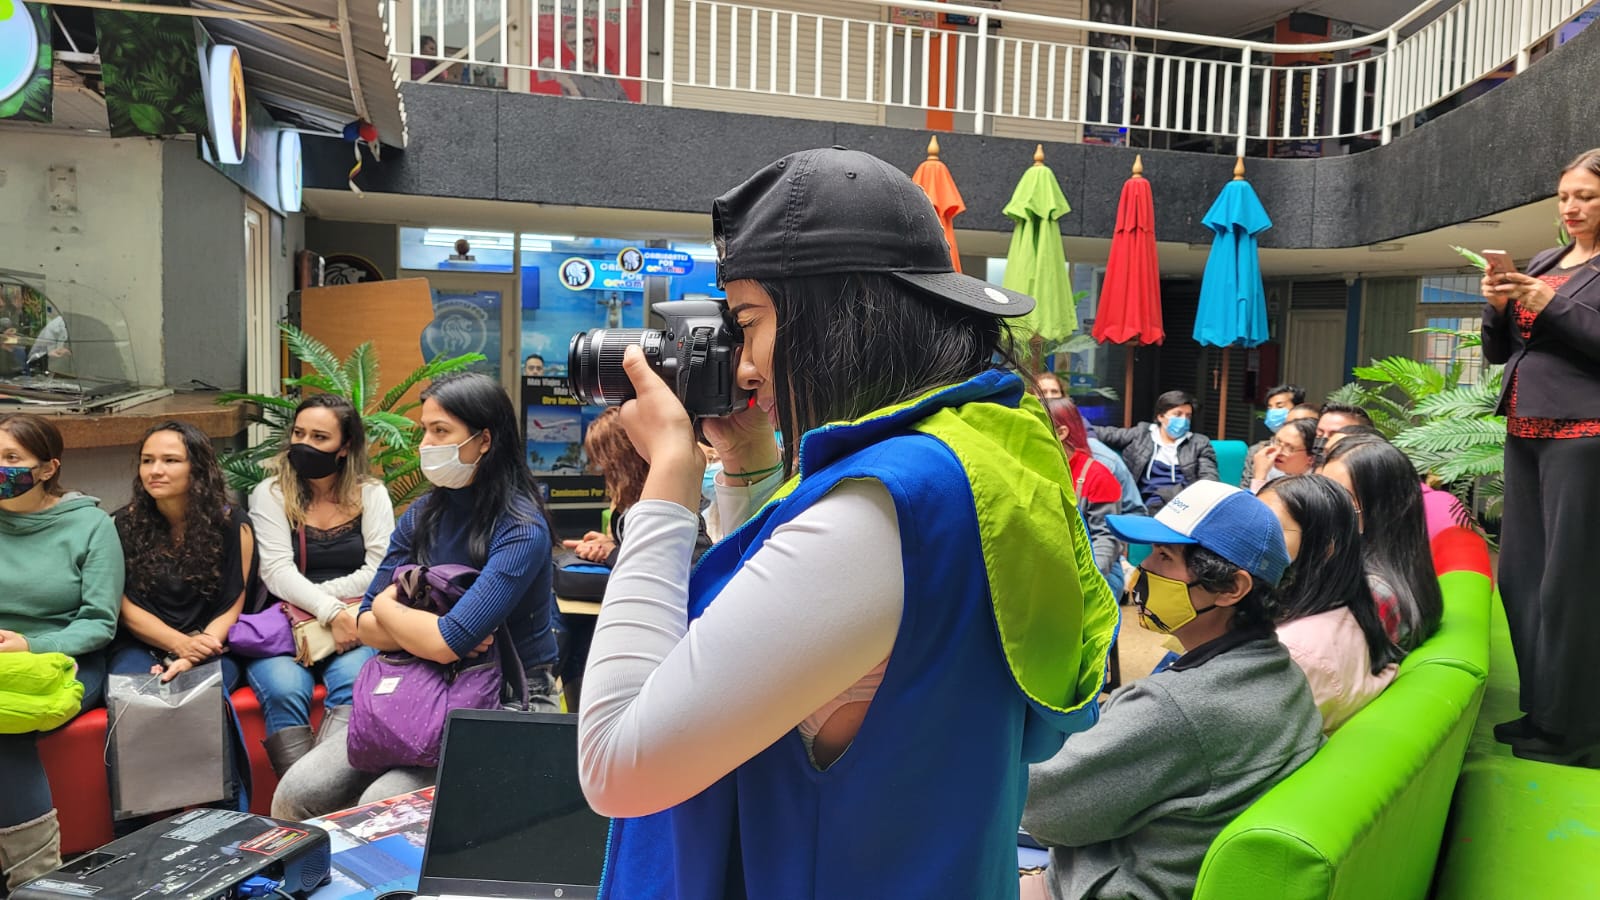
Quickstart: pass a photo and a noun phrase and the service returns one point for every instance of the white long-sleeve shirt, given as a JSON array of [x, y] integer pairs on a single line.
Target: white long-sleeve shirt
[[275, 548], [670, 707]]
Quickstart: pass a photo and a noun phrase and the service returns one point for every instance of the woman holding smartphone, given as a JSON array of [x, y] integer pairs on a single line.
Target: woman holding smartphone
[[1544, 325]]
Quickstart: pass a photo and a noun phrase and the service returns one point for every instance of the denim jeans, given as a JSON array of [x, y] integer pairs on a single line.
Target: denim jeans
[[26, 795], [284, 686]]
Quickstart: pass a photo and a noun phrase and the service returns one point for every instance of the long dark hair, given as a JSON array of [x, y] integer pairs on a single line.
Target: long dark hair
[[1329, 572], [854, 342], [147, 540], [1394, 530], [502, 476]]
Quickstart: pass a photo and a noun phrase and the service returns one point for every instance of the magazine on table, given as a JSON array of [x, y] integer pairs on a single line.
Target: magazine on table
[[377, 848]]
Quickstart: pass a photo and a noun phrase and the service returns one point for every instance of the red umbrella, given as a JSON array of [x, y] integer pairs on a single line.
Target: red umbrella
[[1129, 311], [933, 176]]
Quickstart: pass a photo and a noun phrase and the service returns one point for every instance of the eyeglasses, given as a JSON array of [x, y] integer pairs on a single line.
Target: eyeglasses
[[1285, 447]]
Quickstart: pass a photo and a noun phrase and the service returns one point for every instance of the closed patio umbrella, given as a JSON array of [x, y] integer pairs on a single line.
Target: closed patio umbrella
[[933, 176], [1129, 312], [1233, 301], [1036, 264]]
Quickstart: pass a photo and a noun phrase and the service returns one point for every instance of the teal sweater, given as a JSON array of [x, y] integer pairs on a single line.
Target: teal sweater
[[61, 576]]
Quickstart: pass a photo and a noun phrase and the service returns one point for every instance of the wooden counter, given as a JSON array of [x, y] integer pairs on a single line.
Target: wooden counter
[[121, 429]]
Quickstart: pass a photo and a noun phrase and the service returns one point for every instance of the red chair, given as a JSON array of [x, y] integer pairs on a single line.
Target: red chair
[[74, 761]]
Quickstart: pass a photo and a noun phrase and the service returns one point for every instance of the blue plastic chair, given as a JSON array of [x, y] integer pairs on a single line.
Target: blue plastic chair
[[1230, 460]]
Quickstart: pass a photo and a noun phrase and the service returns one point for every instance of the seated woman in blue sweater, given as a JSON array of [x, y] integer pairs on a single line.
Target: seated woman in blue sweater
[[484, 511]]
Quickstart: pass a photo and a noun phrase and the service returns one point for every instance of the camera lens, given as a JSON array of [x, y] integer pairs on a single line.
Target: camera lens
[[594, 362]]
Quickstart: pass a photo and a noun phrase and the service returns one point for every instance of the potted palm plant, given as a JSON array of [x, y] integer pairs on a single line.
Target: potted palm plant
[[391, 435]]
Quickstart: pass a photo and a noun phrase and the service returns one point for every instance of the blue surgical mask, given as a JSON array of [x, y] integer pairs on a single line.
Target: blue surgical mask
[[1177, 427], [708, 483], [1276, 418]]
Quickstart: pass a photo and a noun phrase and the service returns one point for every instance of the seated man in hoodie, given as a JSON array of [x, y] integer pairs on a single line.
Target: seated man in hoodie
[[1165, 456], [1129, 807]]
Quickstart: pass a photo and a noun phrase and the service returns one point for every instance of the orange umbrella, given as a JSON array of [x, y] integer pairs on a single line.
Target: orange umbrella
[[933, 176]]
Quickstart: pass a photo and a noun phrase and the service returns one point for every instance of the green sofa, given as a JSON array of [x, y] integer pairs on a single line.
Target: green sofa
[[1365, 817]]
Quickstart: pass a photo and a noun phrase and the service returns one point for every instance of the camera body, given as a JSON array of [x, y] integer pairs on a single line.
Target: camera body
[[696, 354]]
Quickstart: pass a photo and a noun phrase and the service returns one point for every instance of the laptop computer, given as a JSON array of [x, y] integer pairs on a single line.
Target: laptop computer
[[509, 817]]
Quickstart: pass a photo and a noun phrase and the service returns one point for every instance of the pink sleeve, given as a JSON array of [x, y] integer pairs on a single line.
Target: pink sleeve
[[1441, 509]]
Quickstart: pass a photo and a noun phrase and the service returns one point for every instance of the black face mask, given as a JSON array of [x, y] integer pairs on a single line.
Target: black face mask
[[312, 463]]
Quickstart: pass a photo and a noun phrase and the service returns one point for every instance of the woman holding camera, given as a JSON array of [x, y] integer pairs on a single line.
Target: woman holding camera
[[844, 697]]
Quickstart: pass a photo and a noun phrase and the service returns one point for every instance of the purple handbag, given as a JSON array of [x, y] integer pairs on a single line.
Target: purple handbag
[[269, 630], [402, 701]]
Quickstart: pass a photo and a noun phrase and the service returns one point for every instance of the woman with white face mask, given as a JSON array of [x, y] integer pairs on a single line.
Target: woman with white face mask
[[484, 511]]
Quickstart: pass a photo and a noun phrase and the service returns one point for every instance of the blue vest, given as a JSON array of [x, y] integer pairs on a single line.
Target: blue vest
[[926, 800]]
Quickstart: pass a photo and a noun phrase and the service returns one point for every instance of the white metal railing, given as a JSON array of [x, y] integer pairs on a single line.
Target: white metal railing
[[894, 55]]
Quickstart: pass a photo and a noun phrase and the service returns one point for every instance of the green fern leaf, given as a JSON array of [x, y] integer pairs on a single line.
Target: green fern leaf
[[316, 354], [1454, 435], [439, 366], [361, 373]]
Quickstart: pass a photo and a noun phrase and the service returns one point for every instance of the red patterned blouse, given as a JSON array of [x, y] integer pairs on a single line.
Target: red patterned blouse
[[1528, 426]]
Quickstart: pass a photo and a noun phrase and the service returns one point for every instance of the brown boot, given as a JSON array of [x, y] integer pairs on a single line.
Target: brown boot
[[335, 721], [29, 850], [285, 747]]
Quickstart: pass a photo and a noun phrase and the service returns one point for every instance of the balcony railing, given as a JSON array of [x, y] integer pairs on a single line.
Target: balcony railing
[[992, 66]]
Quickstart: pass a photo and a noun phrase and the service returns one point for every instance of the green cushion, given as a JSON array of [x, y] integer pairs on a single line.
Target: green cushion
[[1462, 640], [1363, 818], [1230, 460]]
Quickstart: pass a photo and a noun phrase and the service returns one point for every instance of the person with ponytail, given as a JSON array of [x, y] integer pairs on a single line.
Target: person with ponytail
[[1327, 617], [322, 526], [484, 511]]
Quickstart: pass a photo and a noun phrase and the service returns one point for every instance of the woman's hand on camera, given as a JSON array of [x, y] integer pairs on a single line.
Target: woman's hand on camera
[[1490, 288], [1530, 293], [660, 430]]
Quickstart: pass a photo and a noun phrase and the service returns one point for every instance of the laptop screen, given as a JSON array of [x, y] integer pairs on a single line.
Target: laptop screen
[[508, 807]]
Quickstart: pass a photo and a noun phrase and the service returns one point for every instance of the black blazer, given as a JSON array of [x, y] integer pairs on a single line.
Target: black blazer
[[1558, 366]]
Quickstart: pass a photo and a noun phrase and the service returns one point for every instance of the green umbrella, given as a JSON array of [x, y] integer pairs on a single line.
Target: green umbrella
[[1036, 264]]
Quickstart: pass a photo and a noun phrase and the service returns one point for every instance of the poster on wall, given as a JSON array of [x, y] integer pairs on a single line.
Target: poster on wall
[[151, 73], [600, 38], [465, 322], [565, 293], [26, 88], [555, 424]]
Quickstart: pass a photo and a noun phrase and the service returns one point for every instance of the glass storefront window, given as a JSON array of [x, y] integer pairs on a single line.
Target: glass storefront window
[[439, 249]]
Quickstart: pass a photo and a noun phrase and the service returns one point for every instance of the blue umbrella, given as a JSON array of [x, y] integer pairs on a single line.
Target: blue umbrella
[[1233, 301]]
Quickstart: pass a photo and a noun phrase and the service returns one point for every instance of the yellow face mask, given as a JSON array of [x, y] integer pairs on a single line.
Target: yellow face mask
[[1164, 604]]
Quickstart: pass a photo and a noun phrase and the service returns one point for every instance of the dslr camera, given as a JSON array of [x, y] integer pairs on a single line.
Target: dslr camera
[[697, 355]]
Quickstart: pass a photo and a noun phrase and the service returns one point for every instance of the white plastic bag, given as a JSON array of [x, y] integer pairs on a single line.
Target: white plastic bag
[[167, 743]]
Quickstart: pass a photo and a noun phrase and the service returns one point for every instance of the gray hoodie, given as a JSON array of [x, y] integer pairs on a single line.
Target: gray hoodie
[[1129, 807]]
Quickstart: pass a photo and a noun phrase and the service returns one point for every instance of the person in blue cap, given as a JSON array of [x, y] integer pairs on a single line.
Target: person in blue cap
[[1129, 807]]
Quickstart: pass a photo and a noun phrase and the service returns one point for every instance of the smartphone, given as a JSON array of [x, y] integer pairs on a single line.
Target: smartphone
[[1499, 262]]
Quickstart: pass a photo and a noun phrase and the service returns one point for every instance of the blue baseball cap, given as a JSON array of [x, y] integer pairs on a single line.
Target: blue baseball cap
[[1219, 517]]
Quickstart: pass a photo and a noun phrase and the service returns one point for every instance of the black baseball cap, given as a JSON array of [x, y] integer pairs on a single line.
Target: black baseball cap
[[832, 210]]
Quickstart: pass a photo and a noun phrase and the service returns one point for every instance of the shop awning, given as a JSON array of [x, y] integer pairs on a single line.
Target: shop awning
[[325, 71]]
